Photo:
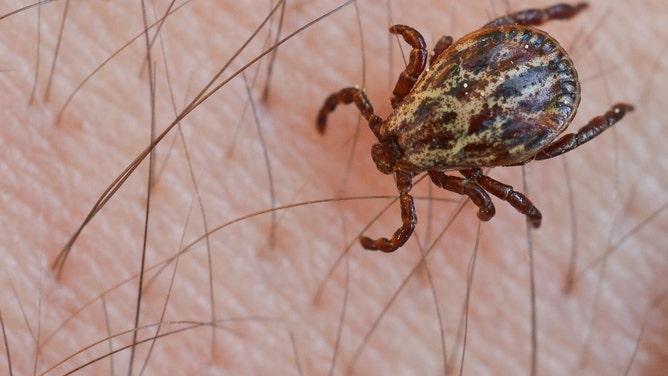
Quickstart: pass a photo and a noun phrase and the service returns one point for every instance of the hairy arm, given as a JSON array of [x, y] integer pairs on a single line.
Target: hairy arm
[[262, 275]]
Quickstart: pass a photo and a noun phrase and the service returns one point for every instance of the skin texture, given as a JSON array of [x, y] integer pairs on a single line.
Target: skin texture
[[54, 169]]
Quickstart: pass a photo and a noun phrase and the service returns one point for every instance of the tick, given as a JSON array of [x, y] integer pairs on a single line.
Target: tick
[[499, 96]]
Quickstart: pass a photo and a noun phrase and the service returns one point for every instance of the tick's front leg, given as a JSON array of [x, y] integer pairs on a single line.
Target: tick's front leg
[[347, 96], [408, 219]]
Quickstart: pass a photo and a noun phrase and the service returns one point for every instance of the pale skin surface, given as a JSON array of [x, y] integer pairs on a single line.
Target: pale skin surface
[[53, 172]]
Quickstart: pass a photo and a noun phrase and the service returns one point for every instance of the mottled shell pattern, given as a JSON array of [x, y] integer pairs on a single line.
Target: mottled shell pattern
[[495, 97]]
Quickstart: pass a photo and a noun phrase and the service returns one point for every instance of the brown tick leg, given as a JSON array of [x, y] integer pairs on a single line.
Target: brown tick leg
[[505, 192], [466, 187], [595, 127], [408, 219], [539, 16], [440, 46], [347, 96], [416, 63]]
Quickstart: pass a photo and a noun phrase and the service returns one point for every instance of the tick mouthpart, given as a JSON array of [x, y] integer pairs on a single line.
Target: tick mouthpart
[[385, 155]]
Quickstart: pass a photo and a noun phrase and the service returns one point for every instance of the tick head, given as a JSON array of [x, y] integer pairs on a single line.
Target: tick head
[[385, 155]]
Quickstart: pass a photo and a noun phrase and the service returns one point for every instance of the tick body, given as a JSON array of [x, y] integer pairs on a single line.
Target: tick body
[[499, 96], [496, 97]]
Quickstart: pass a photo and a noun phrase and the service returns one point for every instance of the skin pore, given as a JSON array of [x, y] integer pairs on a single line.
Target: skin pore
[[276, 305]]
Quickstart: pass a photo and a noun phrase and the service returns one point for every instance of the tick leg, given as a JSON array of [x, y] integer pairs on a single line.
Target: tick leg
[[347, 96], [466, 187], [505, 192], [539, 16], [440, 46], [408, 219], [416, 63], [595, 127]]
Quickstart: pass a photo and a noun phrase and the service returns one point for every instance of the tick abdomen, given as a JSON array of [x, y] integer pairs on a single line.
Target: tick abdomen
[[495, 97]]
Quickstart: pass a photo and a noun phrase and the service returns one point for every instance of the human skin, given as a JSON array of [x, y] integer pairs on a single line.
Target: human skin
[[266, 288]]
